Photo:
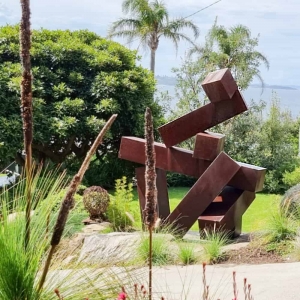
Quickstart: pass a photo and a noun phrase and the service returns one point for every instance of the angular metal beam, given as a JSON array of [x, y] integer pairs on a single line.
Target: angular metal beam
[[228, 213], [201, 119], [208, 145], [169, 159], [181, 161], [219, 85], [203, 192], [163, 207]]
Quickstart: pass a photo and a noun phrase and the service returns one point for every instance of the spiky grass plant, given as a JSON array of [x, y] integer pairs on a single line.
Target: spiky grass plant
[[161, 254], [215, 240], [186, 253], [282, 226], [19, 267]]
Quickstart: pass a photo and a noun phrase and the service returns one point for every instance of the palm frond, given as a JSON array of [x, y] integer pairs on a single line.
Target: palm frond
[[135, 6], [180, 24], [124, 25]]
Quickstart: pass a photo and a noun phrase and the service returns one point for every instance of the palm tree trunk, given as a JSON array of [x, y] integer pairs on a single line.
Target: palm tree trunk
[[26, 104], [152, 61]]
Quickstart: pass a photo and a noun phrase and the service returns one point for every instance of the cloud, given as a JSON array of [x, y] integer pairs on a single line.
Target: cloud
[[275, 21]]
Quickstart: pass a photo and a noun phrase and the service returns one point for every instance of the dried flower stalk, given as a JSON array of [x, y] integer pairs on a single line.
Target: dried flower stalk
[[151, 190], [68, 201]]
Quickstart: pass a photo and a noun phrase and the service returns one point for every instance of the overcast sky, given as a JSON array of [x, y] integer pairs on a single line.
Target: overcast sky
[[277, 22]]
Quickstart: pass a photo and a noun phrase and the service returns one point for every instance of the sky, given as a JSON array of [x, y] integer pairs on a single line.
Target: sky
[[276, 21]]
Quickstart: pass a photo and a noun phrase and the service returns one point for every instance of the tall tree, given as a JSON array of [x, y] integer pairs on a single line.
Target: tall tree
[[26, 103], [233, 48], [148, 22], [80, 79]]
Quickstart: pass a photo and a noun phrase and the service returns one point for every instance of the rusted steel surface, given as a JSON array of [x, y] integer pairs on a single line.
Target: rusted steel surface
[[201, 119], [225, 188], [250, 178], [228, 213], [169, 159], [208, 145], [163, 207], [219, 85], [204, 191], [181, 161]]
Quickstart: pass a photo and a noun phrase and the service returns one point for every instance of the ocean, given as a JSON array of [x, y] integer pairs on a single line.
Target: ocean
[[289, 98]]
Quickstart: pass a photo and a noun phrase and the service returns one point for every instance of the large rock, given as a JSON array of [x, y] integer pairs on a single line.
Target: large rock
[[115, 246]]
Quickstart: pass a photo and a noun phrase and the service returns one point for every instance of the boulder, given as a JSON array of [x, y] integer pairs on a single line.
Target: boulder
[[116, 246]]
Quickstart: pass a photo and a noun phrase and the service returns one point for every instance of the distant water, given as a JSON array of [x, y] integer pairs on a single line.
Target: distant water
[[289, 99]]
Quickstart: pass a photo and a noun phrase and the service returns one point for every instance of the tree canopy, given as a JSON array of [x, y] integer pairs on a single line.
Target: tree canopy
[[232, 48], [80, 79]]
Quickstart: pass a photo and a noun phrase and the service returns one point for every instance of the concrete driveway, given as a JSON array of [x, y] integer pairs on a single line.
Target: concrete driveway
[[268, 281]]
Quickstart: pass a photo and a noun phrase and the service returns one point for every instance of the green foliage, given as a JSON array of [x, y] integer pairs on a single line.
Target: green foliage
[[161, 254], [80, 79], [282, 226], [232, 48], [292, 178], [19, 267], [96, 201], [118, 212], [187, 254], [215, 239], [175, 180], [290, 202]]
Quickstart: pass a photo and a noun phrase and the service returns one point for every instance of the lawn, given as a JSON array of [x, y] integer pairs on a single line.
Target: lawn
[[255, 219], [2, 175]]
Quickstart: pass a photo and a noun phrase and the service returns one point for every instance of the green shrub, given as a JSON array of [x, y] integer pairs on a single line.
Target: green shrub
[[292, 178], [161, 254], [186, 253], [81, 189], [96, 201], [118, 211]]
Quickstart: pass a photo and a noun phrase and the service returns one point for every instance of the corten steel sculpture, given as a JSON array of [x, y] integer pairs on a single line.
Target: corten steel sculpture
[[225, 188]]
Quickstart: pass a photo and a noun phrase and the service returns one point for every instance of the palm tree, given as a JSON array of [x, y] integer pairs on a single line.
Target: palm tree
[[148, 22], [235, 49]]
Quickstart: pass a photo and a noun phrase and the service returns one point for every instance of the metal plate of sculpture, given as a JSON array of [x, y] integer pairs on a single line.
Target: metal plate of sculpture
[[224, 188]]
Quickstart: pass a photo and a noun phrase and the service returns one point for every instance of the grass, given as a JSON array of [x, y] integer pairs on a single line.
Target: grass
[[186, 253], [2, 175], [256, 218], [215, 240], [161, 254]]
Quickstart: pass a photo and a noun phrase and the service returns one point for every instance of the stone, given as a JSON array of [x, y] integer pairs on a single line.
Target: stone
[[116, 246]]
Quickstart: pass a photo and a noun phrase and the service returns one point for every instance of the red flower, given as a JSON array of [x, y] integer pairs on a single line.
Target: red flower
[[122, 296]]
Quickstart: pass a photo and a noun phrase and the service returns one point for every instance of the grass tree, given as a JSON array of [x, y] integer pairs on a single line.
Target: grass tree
[[149, 22], [26, 104]]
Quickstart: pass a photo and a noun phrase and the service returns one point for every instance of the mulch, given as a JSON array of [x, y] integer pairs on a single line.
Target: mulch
[[253, 255]]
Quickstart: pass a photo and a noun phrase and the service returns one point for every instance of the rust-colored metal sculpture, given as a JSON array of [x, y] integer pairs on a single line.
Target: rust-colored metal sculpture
[[225, 188]]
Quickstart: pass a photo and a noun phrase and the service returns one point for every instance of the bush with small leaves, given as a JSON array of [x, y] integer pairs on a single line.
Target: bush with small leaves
[[96, 201]]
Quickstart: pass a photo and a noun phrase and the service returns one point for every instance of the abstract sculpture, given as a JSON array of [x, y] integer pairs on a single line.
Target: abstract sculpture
[[225, 188]]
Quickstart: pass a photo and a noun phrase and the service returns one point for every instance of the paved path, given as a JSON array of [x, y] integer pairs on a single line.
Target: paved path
[[268, 281]]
